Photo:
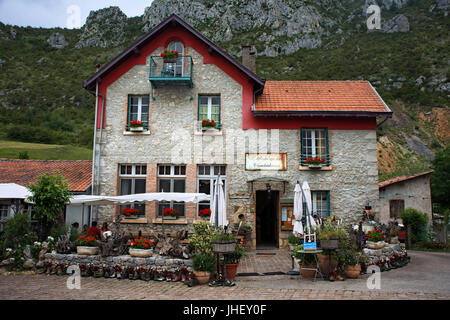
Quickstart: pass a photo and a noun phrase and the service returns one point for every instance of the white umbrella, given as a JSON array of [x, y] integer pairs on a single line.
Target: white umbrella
[[91, 200], [307, 197], [218, 205], [298, 210]]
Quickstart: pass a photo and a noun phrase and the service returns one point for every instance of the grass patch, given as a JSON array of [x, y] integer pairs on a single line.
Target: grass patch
[[40, 151]]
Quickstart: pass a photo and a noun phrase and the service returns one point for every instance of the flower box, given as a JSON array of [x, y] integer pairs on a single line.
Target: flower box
[[170, 60], [375, 245], [314, 166], [87, 250], [140, 253], [169, 218], [136, 129]]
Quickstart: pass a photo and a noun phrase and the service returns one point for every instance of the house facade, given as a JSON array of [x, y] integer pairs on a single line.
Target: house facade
[[409, 191], [265, 133]]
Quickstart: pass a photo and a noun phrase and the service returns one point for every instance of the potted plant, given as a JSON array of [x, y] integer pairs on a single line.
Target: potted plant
[[394, 236], [329, 236], [375, 239], [315, 162], [351, 260], [141, 248], [307, 263], [203, 265], [170, 214], [223, 243], [209, 125], [169, 56], [293, 242], [87, 245], [136, 125], [130, 213], [205, 213], [232, 262]]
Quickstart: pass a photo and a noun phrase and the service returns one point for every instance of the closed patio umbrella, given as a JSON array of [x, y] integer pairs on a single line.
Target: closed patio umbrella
[[307, 196], [298, 210], [218, 205]]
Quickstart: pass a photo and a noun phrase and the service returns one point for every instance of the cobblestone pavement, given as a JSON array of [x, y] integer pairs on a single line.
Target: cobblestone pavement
[[262, 261], [426, 277]]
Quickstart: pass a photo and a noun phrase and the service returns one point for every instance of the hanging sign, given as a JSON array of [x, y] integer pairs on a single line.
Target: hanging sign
[[265, 161]]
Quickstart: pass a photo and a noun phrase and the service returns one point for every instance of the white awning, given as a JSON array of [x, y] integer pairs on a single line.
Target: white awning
[[140, 197], [13, 191]]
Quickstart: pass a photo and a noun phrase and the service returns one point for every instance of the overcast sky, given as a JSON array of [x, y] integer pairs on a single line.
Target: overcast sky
[[61, 13]]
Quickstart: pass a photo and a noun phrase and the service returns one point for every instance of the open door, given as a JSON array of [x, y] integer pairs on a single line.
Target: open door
[[267, 203]]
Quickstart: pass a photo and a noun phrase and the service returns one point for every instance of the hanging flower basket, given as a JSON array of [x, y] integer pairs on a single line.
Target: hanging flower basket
[[224, 244], [329, 244]]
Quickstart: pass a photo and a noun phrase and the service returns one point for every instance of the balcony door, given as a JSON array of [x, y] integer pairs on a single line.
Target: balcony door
[[178, 66]]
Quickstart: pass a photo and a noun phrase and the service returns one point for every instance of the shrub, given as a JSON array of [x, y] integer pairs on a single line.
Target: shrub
[[203, 262], [418, 222], [236, 256], [201, 239], [293, 240], [18, 230]]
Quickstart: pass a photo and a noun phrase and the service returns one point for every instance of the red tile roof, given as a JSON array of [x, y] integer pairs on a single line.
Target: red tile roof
[[320, 96], [77, 172], [386, 183]]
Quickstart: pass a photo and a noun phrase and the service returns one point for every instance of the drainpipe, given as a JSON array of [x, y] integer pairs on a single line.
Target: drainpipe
[[99, 152], [93, 149]]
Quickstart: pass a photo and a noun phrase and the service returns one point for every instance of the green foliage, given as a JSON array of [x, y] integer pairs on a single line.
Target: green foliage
[[203, 262], [201, 239], [49, 194], [306, 258], [24, 155], [244, 226], [440, 179], [293, 240], [349, 257], [18, 230], [58, 230], [223, 238], [331, 230], [236, 256], [418, 222]]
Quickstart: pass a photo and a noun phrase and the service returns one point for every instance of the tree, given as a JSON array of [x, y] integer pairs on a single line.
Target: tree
[[440, 179], [49, 194]]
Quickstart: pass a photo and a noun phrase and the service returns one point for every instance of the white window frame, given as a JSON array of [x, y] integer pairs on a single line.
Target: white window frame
[[139, 105], [313, 141], [323, 211], [210, 105], [179, 64], [172, 176], [133, 176], [212, 177]]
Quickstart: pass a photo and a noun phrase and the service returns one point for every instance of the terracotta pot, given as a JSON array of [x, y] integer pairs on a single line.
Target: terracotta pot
[[307, 274], [202, 276], [324, 263], [352, 272], [87, 250], [231, 270], [140, 253]]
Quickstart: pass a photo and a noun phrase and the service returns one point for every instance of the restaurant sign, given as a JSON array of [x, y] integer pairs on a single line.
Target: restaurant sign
[[265, 161]]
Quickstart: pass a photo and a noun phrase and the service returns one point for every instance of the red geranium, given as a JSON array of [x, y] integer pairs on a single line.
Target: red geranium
[[129, 212], [136, 124], [315, 161], [141, 243], [205, 213], [209, 124], [171, 212], [169, 54]]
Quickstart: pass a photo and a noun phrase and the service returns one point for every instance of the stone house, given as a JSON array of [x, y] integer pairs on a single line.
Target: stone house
[[409, 191], [266, 131]]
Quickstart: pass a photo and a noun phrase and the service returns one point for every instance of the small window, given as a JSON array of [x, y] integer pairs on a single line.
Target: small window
[[395, 207], [209, 109], [314, 143], [320, 204], [133, 181], [138, 110], [206, 178], [171, 178]]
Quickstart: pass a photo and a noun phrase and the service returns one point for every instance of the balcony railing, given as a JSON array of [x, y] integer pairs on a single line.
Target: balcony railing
[[178, 73]]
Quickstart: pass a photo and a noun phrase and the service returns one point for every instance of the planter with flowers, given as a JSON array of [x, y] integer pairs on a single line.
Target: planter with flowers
[[130, 213], [141, 248], [224, 243], [315, 162], [394, 236], [375, 239], [170, 56], [170, 214], [209, 125], [87, 245], [232, 262], [136, 125], [205, 213], [203, 265]]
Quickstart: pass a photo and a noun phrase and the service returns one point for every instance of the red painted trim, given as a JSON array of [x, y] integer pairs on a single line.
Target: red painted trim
[[189, 40], [332, 123]]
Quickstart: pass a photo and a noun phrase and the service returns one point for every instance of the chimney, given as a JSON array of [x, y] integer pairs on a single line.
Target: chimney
[[249, 58]]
